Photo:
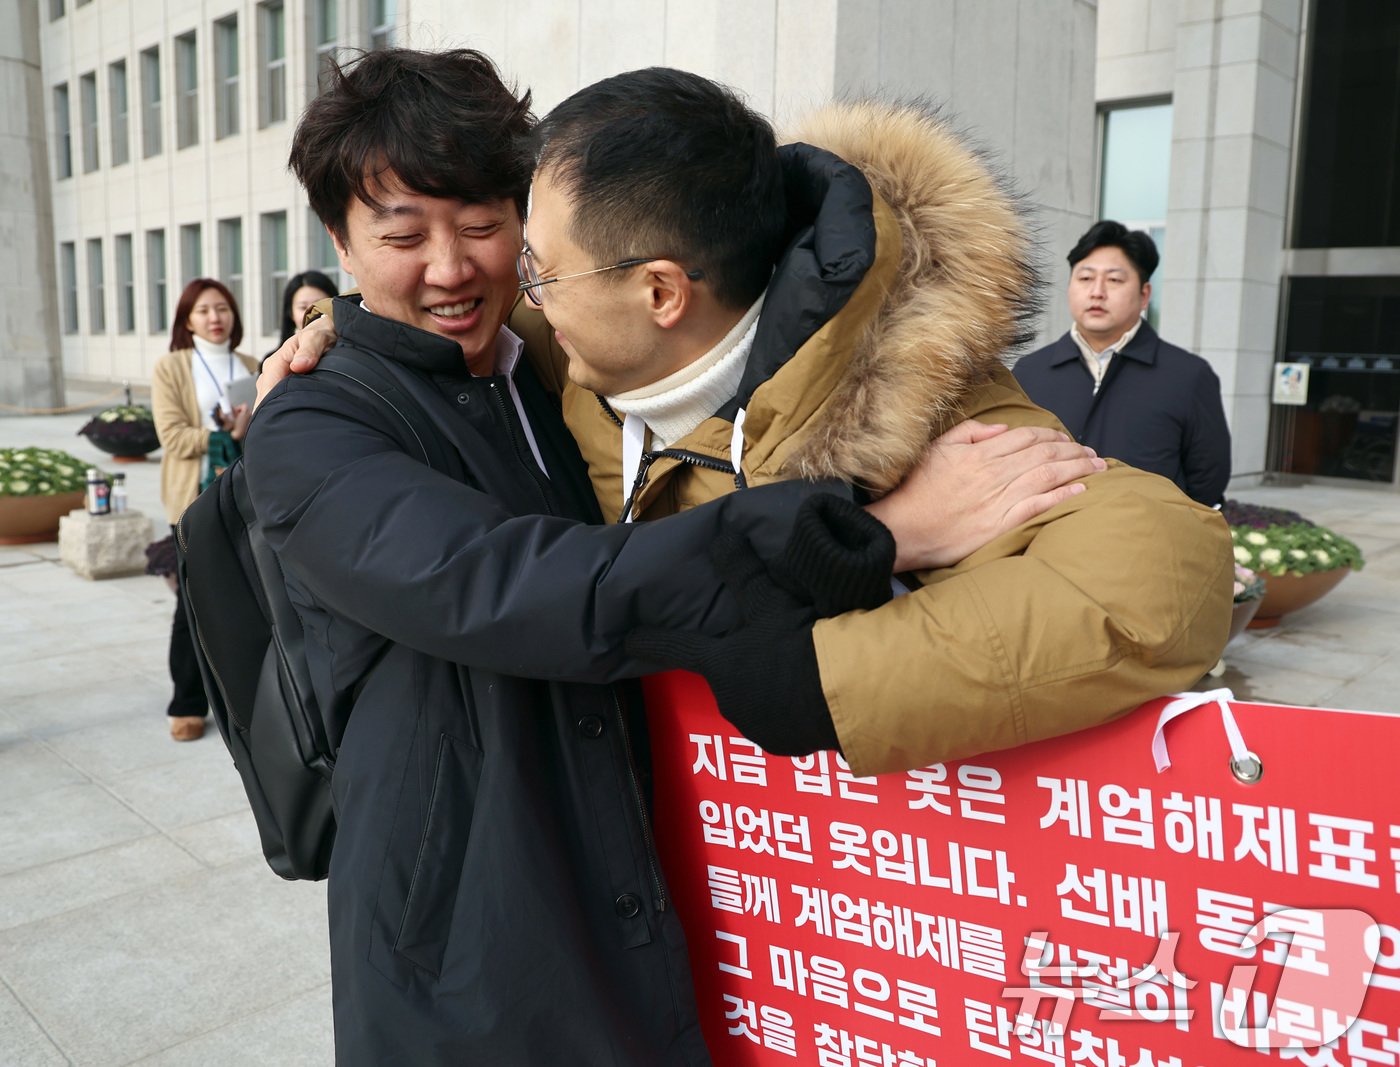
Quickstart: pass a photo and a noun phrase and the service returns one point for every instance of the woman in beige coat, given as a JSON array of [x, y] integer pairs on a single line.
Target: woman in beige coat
[[189, 398]]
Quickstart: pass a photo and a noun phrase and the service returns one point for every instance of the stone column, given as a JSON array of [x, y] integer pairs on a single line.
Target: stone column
[[31, 366], [1232, 133]]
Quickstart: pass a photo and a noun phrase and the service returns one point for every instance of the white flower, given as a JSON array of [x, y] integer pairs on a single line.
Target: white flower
[[19, 487], [1297, 553], [1242, 554], [1254, 537], [1321, 556], [1270, 556]]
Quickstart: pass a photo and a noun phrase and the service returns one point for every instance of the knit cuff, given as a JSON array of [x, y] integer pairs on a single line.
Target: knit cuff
[[838, 555]]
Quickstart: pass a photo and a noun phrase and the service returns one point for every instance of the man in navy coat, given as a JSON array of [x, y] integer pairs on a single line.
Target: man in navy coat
[[1116, 385]]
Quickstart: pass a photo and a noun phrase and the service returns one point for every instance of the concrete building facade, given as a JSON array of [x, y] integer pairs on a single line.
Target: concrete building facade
[[30, 369], [162, 128], [1281, 207], [168, 122]]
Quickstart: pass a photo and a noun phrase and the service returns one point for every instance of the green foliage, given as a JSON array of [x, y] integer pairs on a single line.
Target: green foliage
[[1293, 548], [40, 472], [126, 413]]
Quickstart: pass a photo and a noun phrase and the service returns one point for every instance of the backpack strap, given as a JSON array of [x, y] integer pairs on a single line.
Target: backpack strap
[[366, 371]]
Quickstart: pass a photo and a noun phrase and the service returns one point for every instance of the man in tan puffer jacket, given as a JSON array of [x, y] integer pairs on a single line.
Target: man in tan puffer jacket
[[893, 277]]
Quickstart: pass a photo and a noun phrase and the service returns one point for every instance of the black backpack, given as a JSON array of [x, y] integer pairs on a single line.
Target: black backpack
[[249, 643]]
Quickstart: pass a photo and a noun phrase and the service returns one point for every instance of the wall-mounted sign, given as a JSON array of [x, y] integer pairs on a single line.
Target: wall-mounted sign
[[1291, 383]]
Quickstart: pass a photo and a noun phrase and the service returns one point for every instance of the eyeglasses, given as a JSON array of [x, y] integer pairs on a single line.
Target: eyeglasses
[[530, 280]]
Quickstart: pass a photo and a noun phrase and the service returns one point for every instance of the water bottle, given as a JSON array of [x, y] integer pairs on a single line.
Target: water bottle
[[98, 493], [118, 493]]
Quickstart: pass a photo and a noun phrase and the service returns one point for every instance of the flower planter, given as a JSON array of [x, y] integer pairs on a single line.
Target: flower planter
[[126, 432], [1288, 592], [129, 444], [29, 519], [1242, 616]]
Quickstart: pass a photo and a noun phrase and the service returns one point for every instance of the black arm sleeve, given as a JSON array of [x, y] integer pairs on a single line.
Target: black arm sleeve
[[1206, 447], [384, 541]]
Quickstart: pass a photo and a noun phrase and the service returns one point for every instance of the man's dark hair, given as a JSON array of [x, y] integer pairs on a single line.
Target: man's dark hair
[[661, 162], [443, 122], [1140, 249]]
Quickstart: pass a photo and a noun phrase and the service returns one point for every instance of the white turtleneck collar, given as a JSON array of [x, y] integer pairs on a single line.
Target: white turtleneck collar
[[675, 405], [213, 366], [210, 350]]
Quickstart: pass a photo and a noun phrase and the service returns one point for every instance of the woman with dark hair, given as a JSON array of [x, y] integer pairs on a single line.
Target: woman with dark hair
[[302, 291], [199, 431]]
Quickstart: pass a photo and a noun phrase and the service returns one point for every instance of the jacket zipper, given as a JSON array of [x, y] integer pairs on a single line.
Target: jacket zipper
[[519, 444], [648, 838]]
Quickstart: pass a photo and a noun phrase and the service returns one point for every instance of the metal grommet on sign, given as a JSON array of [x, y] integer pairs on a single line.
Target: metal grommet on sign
[[1247, 768]]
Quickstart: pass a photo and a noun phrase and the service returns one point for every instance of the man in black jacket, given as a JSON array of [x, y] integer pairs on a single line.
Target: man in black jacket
[[1120, 388], [494, 893]]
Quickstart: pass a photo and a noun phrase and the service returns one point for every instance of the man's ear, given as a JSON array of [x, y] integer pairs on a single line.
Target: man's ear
[[670, 292], [1146, 296], [342, 250]]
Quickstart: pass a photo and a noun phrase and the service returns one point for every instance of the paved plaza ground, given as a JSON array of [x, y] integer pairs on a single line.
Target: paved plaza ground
[[138, 921]]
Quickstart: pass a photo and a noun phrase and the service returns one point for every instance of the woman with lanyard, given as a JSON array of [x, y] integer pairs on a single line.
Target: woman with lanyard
[[199, 430]]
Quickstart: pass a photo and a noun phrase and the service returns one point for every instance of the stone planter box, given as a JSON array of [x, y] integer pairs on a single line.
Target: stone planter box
[[104, 546]]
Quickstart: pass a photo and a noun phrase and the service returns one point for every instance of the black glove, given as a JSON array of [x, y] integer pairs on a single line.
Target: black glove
[[838, 556], [764, 674]]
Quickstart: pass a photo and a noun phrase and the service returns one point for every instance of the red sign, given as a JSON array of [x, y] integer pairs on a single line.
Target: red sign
[[1061, 903]]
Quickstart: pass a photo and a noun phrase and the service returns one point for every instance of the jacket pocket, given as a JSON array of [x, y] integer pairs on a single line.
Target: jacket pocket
[[437, 870]]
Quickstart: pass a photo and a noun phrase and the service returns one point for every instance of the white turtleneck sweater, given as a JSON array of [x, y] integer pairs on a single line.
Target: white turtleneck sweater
[[213, 367], [678, 403]]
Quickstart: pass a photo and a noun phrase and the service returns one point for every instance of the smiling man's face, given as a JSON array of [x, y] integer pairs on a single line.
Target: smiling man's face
[[436, 263], [1106, 296]]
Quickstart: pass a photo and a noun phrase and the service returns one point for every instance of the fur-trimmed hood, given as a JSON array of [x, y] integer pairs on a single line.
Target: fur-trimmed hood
[[961, 294]]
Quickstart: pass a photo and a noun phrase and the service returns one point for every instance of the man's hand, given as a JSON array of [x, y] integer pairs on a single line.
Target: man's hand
[[298, 354], [975, 483]]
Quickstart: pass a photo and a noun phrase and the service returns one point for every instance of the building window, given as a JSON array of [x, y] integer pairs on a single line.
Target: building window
[[1137, 148], [126, 283], [321, 252], [226, 77], [381, 16], [191, 252], [150, 103], [231, 256], [119, 109], [62, 133], [1348, 157], [68, 271], [55, 9], [1344, 329], [156, 295], [324, 35], [87, 98], [186, 91], [274, 269], [272, 62], [97, 307]]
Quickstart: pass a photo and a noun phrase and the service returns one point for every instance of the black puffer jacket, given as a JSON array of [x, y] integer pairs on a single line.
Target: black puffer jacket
[[494, 894]]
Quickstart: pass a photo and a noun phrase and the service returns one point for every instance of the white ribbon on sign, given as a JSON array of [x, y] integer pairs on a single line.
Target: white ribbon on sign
[[1184, 702]]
